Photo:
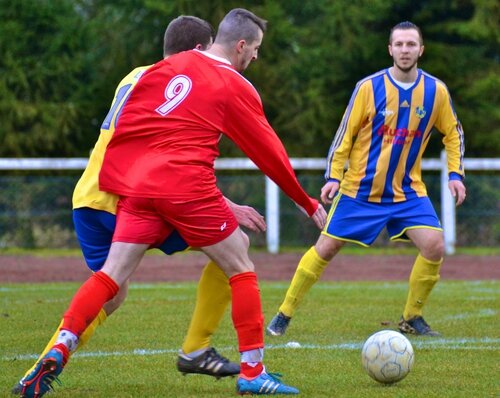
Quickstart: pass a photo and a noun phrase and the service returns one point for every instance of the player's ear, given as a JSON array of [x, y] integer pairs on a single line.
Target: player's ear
[[198, 47], [421, 51], [240, 45], [389, 48]]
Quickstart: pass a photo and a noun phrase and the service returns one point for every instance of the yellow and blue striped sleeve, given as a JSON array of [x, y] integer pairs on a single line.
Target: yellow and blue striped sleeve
[[356, 114], [450, 127]]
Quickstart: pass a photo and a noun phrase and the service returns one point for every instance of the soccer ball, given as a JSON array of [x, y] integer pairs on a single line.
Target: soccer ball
[[387, 356]]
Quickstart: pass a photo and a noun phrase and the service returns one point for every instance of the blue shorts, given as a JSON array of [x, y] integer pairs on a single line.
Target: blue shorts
[[94, 230], [358, 221]]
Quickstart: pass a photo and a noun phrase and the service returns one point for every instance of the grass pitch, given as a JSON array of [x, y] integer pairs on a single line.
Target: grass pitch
[[133, 354]]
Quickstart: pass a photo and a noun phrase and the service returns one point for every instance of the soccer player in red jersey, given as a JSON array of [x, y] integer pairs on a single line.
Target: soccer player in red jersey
[[160, 161], [94, 216]]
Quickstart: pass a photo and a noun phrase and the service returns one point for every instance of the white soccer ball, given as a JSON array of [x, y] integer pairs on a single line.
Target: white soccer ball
[[387, 356]]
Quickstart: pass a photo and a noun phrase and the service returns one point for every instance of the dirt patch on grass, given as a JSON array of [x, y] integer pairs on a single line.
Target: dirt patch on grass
[[280, 267]]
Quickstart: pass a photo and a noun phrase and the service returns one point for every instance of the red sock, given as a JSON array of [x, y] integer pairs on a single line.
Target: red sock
[[65, 351], [88, 301], [247, 311], [249, 372]]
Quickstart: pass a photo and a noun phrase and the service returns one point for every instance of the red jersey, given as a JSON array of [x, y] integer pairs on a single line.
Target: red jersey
[[166, 139]]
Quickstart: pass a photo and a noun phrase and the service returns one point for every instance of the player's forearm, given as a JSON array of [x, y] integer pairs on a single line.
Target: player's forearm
[[453, 144], [336, 163], [285, 178], [279, 169], [339, 154], [272, 159], [335, 170]]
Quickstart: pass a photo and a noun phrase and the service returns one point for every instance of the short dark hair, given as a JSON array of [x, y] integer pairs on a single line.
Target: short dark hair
[[405, 26], [240, 24], [185, 32]]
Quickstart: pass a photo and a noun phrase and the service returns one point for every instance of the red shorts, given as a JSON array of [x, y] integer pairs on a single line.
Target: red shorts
[[201, 222]]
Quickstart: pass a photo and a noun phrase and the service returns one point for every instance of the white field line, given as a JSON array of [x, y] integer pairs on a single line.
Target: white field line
[[342, 286], [483, 344], [482, 313]]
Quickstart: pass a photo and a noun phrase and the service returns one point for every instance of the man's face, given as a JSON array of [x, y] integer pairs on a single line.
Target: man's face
[[248, 52], [405, 48]]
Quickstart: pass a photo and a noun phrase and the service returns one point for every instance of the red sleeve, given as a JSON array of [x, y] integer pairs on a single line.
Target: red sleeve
[[246, 124]]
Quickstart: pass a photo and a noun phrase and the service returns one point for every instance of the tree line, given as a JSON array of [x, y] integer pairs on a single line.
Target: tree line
[[60, 61]]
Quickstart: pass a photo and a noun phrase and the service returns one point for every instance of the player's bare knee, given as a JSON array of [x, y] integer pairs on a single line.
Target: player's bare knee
[[239, 267], [434, 250], [327, 247]]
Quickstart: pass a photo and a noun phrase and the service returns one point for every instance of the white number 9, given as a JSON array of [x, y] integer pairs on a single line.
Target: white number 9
[[176, 91]]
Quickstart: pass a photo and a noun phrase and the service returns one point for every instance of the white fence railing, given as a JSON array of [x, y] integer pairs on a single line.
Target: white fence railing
[[272, 191]]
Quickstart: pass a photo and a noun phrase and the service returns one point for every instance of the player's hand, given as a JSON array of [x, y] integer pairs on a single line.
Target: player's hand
[[457, 189], [328, 191], [248, 217], [319, 216]]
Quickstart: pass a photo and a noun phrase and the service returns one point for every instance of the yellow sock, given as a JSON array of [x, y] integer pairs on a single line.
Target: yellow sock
[[423, 277], [101, 317], [87, 333], [212, 298], [309, 270]]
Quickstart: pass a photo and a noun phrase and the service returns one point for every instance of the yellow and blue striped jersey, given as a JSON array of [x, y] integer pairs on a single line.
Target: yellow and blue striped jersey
[[383, 134], [87, 193]]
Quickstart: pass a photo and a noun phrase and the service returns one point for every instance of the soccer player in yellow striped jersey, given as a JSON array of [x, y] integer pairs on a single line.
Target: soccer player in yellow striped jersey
[[381, 139], [94, 219]]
